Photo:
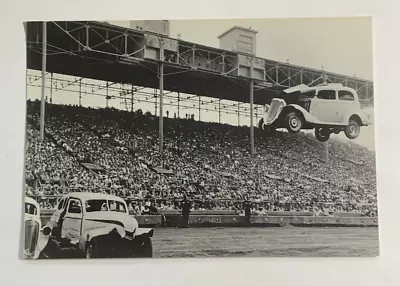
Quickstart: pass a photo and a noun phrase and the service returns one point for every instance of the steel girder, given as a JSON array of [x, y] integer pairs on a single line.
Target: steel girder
[[131, 46]]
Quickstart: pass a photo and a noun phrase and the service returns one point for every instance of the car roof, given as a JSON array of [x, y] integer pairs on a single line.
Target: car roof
[[31, 201], [304, 88], [332, 85], [93, 196]]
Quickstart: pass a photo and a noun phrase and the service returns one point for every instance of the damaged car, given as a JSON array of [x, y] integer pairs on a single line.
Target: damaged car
[[97, 226]]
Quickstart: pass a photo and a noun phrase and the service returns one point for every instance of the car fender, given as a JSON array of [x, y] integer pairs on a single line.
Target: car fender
[[307, 116], [100, 231], [364, 117], [144, 231], [43, 240], [311, 119]]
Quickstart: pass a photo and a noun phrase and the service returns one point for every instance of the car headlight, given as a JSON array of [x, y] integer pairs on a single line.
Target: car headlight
[[46, 230]]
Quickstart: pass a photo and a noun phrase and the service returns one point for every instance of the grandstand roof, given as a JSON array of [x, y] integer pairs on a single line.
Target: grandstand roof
[[111, 53]]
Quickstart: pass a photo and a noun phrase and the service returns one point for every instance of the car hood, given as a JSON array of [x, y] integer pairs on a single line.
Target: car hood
[[300, 87]]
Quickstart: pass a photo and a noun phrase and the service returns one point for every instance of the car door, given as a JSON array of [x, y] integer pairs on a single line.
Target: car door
[[346, 103], [57, 217], [323, 106], [72, 223]]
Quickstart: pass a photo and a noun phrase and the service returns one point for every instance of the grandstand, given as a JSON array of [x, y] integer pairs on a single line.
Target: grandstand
[[209, 162], [146, 158]]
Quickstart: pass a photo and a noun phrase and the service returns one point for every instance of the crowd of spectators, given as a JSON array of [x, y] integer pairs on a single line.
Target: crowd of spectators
[[208, 162]]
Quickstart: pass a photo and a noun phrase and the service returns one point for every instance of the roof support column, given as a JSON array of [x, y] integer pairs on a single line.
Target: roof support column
[[251, 109], [107, 98], [51, 88], [179, 99], [199, 108], [80, 92], [132, 98], [155, 102], [219, 111], [238, 115], [161, 76], [43, 102], [326, 152]]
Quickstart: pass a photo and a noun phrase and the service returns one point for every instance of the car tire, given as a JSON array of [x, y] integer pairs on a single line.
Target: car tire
[[293, 122], [322, 134], [352, 130], [92, 249], [266, 128], [145, 249], [51, 250], [261, 123]]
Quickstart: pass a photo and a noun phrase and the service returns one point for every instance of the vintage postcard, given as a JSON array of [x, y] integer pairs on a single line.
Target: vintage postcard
[[200, 138]]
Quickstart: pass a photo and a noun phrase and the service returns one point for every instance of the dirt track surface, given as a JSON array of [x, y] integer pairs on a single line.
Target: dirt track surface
[[259, 242]]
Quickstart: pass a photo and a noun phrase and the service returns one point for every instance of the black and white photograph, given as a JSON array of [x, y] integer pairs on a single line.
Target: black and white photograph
[[200, 138]]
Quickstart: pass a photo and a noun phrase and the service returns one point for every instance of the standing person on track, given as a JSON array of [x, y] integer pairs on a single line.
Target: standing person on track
[[247, 211], [185, 205]]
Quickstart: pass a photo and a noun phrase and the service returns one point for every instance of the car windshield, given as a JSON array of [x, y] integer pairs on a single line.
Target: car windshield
[[104, 205], [30, 209]]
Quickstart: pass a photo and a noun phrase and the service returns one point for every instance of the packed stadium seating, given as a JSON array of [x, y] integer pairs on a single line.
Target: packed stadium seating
[[114, 151]]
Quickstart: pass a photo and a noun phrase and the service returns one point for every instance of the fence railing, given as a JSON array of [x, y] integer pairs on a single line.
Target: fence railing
[[235, 206]]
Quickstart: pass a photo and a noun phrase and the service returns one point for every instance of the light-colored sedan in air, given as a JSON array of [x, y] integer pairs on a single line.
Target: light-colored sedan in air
[[328, 108]]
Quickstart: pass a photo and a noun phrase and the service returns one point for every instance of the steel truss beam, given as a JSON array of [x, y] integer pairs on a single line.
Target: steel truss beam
[[124, 93], [129, 44]]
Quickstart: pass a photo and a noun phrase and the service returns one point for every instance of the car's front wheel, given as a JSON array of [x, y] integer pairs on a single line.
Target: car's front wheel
[[92, 249], [261, 123], [145, 248], [265, 128], [352, 130], [294, 122], [322, 134]]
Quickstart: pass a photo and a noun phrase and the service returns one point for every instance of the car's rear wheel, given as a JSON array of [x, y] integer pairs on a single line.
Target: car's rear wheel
[[352, 130], [293, 122], [145, 249], [322, 134]]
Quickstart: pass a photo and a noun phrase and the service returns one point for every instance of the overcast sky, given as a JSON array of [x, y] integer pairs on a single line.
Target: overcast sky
[[340, 45]]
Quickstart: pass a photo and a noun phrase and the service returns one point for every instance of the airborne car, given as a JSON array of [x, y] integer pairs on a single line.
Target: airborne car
[[99, 226], [328, 108]]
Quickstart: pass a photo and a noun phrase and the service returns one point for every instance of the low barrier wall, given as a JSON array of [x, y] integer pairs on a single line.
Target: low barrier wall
[[230, 212], [195, 220], [315, 221]]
